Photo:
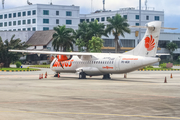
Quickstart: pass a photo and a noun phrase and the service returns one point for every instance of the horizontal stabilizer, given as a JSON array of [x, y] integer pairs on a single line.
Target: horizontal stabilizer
[[159, 54], [152, 26]]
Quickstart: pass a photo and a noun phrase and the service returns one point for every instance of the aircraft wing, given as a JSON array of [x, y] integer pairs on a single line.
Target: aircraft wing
[[81, 55]]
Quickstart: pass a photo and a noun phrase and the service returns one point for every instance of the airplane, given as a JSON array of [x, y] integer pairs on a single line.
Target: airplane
[[94, 64]]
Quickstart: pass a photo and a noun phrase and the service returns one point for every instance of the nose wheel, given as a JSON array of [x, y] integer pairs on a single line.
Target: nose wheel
[[82, 75]]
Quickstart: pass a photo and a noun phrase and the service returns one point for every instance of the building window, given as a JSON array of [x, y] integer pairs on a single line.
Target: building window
[[137, 17], [24, 22], [45, 12], [107, 18], [19, 14], [34, 29], [10, 15], [24, 13], [102, 19], [19, 22], [19, 29], [92, 19], [29, 21], [147, 17], [45, 28], [87, 20], [29, 13], [1, 24], [82, 20], [10, 23], [34, 12], [156, 17], [112, 17], [5, 23], [14, 15], [137, 24], [68, 13], [24, 29], [5, 16], [128, 43], [57, 21], [33, 20], [14, 23], [177, 43], [46, 21], [14, 29], [1, 16], [57, 12], [97, 19], [68, 22], [28, 29], [10, 30], [163, 43], [125, 16]]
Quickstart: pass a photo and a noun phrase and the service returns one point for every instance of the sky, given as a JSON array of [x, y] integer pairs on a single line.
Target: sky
[[171, 8]]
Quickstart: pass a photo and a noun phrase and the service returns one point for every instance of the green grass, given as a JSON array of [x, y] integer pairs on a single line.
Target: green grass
[[160, 69], [15, 69], [40, 66]]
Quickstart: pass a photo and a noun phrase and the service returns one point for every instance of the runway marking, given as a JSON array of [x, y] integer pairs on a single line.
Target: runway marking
[[97, 114]]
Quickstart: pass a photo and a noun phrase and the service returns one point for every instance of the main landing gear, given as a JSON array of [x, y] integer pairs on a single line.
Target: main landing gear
[[82, 75], [106, 76], [56, 75]]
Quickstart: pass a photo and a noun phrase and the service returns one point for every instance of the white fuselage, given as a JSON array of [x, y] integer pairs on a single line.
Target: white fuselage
[[103, 64]]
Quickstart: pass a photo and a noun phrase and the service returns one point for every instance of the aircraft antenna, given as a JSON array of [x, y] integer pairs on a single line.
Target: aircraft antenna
[[91, 6], [146, 4], [29, 3], [51, 2], [103, 5], [3, 4]]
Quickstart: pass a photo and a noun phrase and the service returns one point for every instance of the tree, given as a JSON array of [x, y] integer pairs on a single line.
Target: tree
[[86, 31], [117, 26], [7, 57], [97, 29], [171, 47], [63, 38], [95, 44]]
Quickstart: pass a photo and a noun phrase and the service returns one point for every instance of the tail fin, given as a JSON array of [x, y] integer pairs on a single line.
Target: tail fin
[[148, 45]]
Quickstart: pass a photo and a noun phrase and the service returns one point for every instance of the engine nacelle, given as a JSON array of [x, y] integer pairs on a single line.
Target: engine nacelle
[[63, 57]]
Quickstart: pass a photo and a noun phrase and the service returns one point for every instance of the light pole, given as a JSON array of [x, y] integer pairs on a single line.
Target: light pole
[[139, 20]]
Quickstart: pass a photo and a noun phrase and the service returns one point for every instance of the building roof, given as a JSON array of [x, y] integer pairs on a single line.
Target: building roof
[[40, 38]]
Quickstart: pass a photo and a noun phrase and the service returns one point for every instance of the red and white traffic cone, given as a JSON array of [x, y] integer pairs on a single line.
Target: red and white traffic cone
[[45, 75], [39, 76], [58, 75]]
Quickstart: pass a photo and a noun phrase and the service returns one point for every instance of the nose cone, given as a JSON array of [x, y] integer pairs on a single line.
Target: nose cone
[[150, 60]]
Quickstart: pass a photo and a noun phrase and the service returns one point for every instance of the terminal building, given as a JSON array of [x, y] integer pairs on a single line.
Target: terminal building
[[26, 21]]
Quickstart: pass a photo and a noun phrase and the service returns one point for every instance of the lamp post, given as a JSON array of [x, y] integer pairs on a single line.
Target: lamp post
[[139, 20]]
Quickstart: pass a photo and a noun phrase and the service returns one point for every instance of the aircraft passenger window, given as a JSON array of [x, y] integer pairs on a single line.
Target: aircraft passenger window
[[103, 62], [112, 62]]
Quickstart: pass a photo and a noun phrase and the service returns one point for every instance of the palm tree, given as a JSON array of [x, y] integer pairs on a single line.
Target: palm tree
[[7, 57], [83, 35], [86, 31], [63, 38], [117, 26], [97, 29]]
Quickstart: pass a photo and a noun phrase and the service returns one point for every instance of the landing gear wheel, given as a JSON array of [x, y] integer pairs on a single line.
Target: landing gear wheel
[[56, 75], [82, 75], [107, 76]]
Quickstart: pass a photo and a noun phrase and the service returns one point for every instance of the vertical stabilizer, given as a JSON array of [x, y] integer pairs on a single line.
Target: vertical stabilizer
[[148, 45]]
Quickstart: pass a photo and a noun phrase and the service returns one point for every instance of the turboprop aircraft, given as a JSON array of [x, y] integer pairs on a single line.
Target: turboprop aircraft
[[93, 64]]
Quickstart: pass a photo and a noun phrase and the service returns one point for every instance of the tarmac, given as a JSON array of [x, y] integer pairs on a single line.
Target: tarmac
[[143, 95]]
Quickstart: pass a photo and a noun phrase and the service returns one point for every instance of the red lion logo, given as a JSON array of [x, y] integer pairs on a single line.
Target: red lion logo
[[149, 43]]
